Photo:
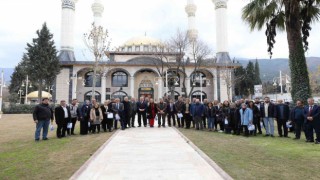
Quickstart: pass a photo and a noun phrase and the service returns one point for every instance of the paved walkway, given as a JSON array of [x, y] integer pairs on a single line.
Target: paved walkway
[[145, 154]]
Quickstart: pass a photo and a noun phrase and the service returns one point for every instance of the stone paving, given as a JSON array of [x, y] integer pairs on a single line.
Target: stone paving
[[145, 154]]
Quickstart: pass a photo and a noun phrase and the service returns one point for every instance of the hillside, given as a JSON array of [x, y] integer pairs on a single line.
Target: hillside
[[270, 68]]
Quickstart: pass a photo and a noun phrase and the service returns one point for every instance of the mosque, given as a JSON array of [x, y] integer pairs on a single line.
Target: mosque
[[131, 70]]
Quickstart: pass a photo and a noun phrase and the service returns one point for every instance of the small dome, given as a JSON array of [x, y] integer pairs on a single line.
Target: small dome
[[143, 40], [34, 95]]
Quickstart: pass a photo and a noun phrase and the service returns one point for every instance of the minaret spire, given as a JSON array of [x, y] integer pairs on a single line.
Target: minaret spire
[[222, 31], [191, 9], [67, 30], [97, 9]]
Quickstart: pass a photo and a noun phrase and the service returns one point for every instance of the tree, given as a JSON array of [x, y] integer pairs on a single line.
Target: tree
[[41, 60], [240, 84], [295, 17], [98, 43], [250, 73], [257, 79]]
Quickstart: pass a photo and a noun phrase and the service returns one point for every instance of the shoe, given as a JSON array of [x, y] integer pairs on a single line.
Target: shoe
[[122, 129], [37, 140], [45, 139], [76, 134], [133, 126], [159, 126], [310, 141], [260, 133], [296, 138], [272, 135], [145, 125], [266, 135], [280, 136], [317, 142], [139, 126], [286, 136]]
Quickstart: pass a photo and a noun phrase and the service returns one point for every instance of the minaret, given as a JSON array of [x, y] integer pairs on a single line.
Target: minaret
[[67, 30], [222, 31], [97, 9], [191, 9]]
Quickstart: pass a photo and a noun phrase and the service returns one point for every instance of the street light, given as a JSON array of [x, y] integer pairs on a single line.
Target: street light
[[275, 88], [2, 84], [20, 92], [199, 76], [26, 84]]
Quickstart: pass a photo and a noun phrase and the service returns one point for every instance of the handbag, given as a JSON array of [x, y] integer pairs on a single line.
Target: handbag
[[251, 127], [69, 126]]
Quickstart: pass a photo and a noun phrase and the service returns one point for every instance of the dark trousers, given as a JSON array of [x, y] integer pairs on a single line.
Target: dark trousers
[[62, 128], [298, 127], [258, 126], [204, 121], [311, 127], [246, 131], [180, 121], [84, 126], [116, 124], [104, 124], [162, 119], [123, 123], [221, 124], [198, 122], [282, 125], [188, 120], [144, 118], [126, 120], [74, 121], [109, 124], [133, 117], [95, 127], [171, 115]]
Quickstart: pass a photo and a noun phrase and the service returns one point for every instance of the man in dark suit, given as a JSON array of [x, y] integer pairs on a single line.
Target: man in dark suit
[[142, 110], [118, 109], [267, 110], [312, 121], [171, 111], [133, 111], [282, 116], [297, 117], [126, 111], [84, 117], [63, 117]]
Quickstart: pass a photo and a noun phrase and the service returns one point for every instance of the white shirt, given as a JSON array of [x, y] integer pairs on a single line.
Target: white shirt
[[65, 112], [266, 107]]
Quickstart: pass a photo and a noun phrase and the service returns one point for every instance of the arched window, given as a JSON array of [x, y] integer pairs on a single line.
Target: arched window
[[176, 95], [119, 94], [173, 79], [198, 94], [89, 80], [196, 78], [119, 79], [88, 95]]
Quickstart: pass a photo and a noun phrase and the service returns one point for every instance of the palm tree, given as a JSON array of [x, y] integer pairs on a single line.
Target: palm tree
[[294, 17]]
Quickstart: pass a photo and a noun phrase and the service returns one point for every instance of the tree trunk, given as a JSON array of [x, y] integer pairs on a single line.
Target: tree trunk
[[94, 80], [40, 92], [297, 60]]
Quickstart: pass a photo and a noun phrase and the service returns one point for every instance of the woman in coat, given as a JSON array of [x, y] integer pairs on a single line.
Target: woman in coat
[[246, 118], [211, 113], [186, 109], [224, 116], [152, 112], [256, 116], [96, 117], [107, 122]]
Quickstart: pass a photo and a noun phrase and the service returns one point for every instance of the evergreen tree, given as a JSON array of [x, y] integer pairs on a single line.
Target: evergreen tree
[[42, 63], [250, 77], [18, 75], [240, 84], [257, 79]]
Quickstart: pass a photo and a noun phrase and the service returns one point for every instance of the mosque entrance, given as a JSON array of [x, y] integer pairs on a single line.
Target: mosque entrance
[[146, 88]]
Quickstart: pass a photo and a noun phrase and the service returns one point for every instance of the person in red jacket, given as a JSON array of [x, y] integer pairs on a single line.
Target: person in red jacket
[[152, 111]]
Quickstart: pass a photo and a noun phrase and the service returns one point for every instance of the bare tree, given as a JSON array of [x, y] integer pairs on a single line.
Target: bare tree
[[185, 53], [98, 43]]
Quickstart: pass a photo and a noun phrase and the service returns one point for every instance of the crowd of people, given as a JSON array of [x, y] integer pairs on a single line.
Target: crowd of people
[[246, 117]]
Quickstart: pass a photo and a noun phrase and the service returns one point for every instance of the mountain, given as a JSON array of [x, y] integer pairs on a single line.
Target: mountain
[[270, 68]]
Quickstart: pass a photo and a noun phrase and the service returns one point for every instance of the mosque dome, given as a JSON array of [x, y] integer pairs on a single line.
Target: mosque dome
[[141, 44]]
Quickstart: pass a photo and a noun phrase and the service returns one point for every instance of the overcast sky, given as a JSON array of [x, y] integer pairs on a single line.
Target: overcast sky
[[130, 18]]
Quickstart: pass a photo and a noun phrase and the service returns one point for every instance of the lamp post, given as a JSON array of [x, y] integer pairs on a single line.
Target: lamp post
[[2, 84], [199, 76], [173, 79], [20, 94], [26, 84], [275, 88]]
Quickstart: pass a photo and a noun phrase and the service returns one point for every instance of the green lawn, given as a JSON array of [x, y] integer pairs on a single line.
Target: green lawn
[[259, 157], [22, 158]]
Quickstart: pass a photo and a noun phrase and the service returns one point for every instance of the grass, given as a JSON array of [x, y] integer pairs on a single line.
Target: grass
[[259, 157], [22, 158]]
